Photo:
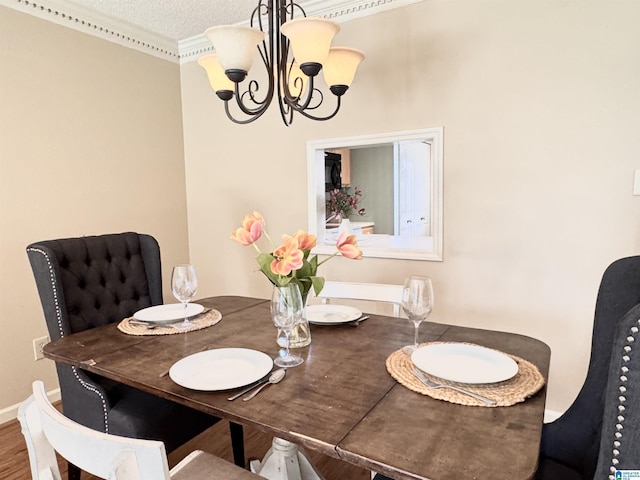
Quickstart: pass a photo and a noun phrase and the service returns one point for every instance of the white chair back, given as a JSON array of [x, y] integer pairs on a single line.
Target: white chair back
[[106, 456], [372, 292]]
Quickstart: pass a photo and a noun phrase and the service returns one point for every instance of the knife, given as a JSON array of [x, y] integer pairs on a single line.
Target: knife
[[248, 389]]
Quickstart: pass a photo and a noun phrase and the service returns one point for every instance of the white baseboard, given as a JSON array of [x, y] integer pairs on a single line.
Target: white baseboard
[[11, 413]]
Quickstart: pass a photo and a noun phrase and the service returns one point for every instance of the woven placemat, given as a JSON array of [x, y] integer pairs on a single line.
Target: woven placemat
[[203, 320], [526, 383]]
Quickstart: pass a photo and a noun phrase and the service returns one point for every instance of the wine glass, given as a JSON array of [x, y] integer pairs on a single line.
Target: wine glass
[[286, 311], [184, 285], [417, 303]]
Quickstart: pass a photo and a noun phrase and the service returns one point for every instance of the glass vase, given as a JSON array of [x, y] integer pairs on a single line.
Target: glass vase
[[301, 333]]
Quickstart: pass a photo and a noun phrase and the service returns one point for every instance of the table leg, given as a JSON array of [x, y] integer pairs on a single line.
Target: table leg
[[285, 461]]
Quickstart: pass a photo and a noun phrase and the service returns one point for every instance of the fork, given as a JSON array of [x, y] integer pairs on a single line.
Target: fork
[[431, 384]]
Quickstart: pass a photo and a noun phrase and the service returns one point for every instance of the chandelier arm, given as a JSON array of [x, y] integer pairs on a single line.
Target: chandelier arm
[[251, 118], [242, 105], [241, 98], [328, 117]]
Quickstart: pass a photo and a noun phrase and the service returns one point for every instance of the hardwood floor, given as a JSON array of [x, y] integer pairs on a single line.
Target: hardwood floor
[[14, 460]]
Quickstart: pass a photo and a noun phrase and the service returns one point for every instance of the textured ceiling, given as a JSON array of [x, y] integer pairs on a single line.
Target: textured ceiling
[[175, 19]]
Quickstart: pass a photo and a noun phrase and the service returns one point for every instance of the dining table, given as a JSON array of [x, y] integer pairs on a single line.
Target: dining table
[[343, 401]]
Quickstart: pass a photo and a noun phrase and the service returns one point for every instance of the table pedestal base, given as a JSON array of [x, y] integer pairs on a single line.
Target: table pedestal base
[[285, 461]]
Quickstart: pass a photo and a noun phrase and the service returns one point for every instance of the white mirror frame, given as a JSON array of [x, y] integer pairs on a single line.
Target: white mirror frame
[[426, 248]]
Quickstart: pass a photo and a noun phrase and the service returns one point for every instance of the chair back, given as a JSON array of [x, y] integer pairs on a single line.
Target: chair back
[[91, 281], [574, 439], [620, 441], [372, 292], [106, 456]]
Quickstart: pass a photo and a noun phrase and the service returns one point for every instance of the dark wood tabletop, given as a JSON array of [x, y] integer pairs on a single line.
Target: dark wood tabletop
[[341, 401]]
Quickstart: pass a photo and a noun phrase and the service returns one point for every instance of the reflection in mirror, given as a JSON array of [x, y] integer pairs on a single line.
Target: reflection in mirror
[[394, 184]]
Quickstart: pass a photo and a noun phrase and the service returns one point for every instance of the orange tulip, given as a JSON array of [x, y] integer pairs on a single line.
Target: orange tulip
[[251, 230], [288, 256], [347, 245], [305, 240]]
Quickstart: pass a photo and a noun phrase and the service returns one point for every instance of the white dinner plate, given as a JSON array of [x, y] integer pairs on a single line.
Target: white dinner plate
[[328, 314], [221, 369], [167, 313], [464, 363]]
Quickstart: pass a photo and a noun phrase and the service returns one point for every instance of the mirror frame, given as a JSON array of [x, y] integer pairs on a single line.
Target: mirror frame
[[316, 192]]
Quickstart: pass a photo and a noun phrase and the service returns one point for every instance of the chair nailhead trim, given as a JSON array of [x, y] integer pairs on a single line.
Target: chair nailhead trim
[[56, 302], [52, 276], [617, 444]]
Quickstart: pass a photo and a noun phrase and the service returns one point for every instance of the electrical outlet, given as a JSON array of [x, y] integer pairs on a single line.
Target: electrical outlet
[[38, 345]]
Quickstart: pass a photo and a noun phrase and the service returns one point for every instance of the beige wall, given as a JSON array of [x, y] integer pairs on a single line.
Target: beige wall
[[539, 101], [90, 143]]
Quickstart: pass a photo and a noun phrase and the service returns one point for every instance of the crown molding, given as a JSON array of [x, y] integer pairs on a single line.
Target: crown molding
[[337, 10], [98, 25], [187, 50]]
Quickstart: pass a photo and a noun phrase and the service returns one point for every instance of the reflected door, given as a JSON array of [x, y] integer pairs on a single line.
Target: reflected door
[[413, 175]]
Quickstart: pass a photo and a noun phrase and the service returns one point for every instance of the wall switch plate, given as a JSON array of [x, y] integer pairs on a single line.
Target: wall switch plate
[[38, 345], [636, 183]]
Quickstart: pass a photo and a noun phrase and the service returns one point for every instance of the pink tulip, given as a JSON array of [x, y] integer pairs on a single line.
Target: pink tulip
[[347, 245], [288, 256], [251, 230], [305, 240]]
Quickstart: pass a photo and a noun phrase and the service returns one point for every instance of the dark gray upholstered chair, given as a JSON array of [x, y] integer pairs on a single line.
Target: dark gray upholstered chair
[[91, 281], [601, 429], [579, 444]]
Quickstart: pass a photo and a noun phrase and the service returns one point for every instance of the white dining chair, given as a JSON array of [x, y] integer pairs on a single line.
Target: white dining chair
[[106, 456], [370, 292]]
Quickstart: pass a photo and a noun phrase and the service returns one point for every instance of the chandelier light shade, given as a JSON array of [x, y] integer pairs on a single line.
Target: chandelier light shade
[[236, 48], [340, 68], [310, 40], [293, 52], [218, 80]]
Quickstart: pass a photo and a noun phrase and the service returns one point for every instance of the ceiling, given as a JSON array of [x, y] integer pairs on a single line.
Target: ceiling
[[174, 19]]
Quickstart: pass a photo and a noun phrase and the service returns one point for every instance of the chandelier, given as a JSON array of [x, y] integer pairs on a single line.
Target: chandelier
[[293, 52]]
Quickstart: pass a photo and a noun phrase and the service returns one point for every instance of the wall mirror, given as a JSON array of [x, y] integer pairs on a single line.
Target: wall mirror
[[400, 177]]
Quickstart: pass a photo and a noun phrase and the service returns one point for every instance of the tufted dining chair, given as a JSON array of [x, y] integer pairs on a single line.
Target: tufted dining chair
[[47, 432], [580, 444], [91, 281]]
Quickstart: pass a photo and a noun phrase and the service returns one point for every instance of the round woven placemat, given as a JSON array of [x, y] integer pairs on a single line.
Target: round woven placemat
[[527, 382], [203, 320]]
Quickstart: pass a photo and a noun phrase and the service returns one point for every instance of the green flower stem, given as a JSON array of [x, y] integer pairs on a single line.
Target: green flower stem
[[329, 257]]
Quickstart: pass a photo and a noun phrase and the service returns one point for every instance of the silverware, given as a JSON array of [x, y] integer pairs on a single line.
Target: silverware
[[357, 321], [431, 384], [275, 377], [150, 326], [248, 389]]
